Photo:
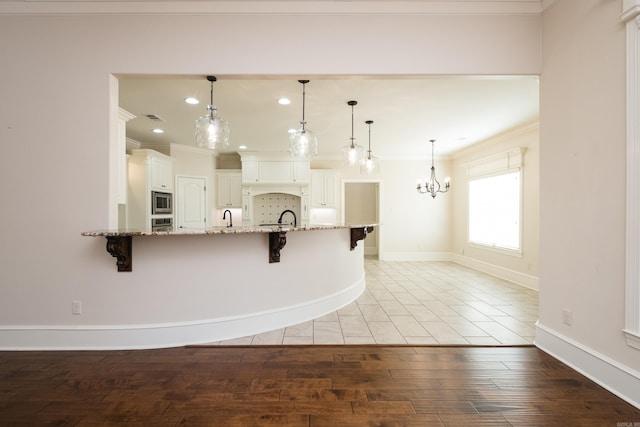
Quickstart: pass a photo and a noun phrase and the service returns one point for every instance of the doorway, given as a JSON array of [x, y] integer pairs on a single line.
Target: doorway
[[361, 204]]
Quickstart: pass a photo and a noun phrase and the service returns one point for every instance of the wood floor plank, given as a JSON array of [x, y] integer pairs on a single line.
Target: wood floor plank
[[303, 386]]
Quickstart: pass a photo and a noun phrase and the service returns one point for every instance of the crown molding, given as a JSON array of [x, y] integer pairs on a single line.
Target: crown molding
[[268, 7]]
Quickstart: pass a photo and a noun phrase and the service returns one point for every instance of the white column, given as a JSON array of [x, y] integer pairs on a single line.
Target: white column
[[631, 16]]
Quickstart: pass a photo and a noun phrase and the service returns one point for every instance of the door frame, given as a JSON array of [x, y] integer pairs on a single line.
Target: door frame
[[379, 212]]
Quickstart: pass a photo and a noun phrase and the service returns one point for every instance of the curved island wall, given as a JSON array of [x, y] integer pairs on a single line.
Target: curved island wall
[[214, 287]]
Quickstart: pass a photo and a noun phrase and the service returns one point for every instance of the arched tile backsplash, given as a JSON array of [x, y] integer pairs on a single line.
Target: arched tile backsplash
[[268, 207]]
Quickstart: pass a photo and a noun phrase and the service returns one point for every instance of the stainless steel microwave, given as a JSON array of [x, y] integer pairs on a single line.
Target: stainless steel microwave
[[161, 203]]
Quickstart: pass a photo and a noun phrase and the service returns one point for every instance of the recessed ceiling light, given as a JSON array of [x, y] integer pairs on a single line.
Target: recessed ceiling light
[[157, 130], [284, 101], [242, 147], [191, 100]]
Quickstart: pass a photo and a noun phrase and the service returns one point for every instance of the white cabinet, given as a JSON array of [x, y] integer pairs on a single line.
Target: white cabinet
[[250, 172], [229, 186], [301, 171], [147, 171], [247, 207], [161, 169], [324, 189], [275, 172]]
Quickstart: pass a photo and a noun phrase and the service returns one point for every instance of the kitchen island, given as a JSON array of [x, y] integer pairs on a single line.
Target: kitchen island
[[229, 282]]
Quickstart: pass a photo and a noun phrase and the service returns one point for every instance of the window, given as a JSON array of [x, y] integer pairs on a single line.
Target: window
[[495, 201], [494, 210]]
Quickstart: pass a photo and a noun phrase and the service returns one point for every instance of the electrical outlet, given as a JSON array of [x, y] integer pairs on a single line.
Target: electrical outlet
[[567, 317], [76, 307]]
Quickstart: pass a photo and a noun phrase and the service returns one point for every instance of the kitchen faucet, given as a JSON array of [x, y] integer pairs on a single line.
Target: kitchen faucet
[[295, 220], [224, 216]]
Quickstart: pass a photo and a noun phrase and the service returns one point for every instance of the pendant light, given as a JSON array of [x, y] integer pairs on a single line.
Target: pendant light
[[353, 153], [303, 143], [432, 185], [371, 163], [212, 131]]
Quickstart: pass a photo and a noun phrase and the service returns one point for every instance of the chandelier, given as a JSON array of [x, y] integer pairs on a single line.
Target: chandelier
[[212, 131], [353, 153], [432, 185], [303, 143], [371, 163]]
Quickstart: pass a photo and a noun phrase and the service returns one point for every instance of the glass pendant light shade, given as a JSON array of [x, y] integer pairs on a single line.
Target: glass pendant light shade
[[212, 131], [303, 143], [371, 163], [353, 154]]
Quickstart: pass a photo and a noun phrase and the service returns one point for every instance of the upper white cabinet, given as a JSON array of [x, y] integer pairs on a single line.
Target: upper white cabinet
[[229, 188], [324, 189], [250, 172], [273, 170], [161, 170]]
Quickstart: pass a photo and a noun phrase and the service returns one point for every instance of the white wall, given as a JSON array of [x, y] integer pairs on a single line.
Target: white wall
[[54, 114], [582, 192]]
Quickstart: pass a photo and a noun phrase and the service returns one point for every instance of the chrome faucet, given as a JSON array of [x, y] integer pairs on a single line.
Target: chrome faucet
[[295, 220], [224, 216]]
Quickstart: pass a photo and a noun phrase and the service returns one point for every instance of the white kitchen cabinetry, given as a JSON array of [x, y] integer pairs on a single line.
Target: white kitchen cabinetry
[[147, 171], [250, 173], [247, 207], [323, 189], [229, 188], [275, 172], [161, 170]]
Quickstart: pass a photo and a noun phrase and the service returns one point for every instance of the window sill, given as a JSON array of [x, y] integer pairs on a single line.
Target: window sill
[[504, 251]]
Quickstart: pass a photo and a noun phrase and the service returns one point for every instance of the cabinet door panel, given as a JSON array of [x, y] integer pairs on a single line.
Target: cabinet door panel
[[235, 190], [276, 172]]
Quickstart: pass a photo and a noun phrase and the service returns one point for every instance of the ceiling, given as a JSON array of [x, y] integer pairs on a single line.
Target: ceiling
[[456, 111]]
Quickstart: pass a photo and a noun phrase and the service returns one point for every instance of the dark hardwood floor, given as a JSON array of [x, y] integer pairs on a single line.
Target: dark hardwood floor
[[303, 386]]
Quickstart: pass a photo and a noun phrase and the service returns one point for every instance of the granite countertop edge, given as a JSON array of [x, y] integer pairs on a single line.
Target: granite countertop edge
[[218, 230]]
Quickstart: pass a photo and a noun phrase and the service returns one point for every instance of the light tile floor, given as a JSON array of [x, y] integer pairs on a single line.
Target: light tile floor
[[420, 303]]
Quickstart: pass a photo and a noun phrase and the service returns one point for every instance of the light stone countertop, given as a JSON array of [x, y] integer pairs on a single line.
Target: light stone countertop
[[218, 230]]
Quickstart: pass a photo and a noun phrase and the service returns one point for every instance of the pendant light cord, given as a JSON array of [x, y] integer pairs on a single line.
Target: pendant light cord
[[303, 103], [352, 103]]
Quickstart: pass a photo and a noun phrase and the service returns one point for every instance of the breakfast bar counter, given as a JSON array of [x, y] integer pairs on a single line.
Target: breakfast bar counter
[[119, 242], [221, 283]]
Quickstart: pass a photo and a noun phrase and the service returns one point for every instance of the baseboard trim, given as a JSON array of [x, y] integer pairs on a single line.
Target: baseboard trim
[[620, 380], [177, 334], [522, 279]]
